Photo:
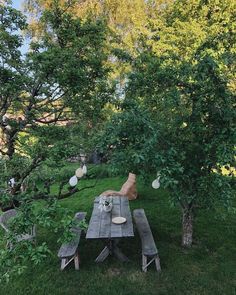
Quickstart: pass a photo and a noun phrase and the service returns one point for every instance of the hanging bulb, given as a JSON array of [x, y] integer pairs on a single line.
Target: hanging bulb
[[79, 172], [156, 183], [12, 182], [84, 169], [73, 181]]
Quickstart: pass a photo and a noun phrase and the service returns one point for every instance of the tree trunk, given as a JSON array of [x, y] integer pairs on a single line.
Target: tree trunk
[[187, 223]]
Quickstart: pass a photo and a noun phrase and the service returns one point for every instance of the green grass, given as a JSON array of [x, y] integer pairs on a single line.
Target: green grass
[[209, 267]]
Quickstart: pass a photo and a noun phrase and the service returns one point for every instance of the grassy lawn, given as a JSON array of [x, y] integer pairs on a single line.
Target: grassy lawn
[[208, 268]]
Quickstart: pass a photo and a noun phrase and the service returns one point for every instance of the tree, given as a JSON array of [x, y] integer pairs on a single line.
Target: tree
[[63, 72], [127, 20], [178, 118], [47, 98]]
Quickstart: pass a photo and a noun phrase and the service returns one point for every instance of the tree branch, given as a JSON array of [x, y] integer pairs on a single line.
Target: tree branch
[[65, 195]]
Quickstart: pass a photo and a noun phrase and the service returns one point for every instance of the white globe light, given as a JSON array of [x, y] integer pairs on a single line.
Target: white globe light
[[12, 182], [84, 169], [79, 172], [156, 183], [73, 181]]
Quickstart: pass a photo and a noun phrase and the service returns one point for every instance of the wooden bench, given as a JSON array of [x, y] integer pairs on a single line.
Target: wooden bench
[[69, 251], [5, 220], [149, 249]]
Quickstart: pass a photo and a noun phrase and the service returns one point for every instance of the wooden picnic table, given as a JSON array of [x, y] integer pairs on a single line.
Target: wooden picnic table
[[102, 227]]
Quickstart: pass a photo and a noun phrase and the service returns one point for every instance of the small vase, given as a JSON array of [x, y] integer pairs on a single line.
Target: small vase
[[107, 208]]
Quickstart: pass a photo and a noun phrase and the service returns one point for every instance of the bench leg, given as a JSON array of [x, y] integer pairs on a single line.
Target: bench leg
[[157, 262], [144, 263], [64, 263], [76, 261]]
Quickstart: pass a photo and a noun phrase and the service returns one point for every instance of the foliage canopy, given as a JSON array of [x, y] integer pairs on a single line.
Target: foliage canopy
[[178, 118]]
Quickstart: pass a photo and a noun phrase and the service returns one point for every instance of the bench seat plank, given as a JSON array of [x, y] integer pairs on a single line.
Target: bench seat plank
[[148, 244], [69, 249]]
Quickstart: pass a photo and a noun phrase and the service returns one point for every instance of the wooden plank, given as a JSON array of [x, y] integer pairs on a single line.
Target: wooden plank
[[97, 199], [103, 255], [148, 244], [6, 217], [76, 261], [79, 216], [69, 249], [105, 225], [94, 223], [127, 227], [116, 230], [157, 262], [116, 200]]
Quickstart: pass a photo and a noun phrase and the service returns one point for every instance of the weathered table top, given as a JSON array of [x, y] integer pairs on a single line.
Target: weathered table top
[[101, 225]]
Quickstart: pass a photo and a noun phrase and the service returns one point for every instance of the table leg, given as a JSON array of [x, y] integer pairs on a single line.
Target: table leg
[[103, 255], [111, 249], [117, 252]]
